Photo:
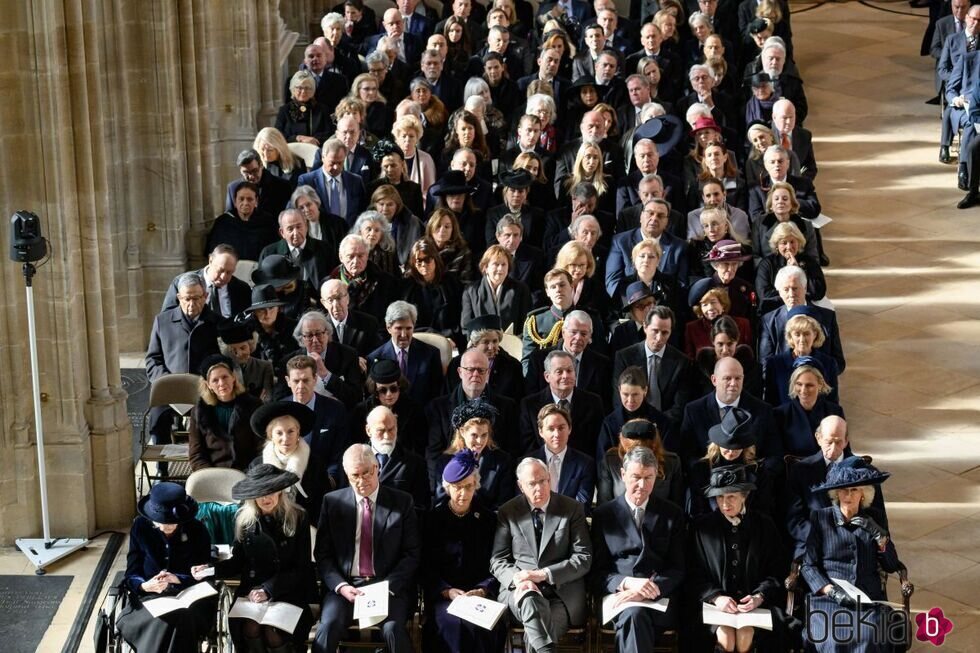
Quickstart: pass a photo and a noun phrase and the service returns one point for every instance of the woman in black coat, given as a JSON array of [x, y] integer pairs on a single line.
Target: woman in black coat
[[847, 542], [496, 293], [274, 327], [302, 119], [736, 559], [165, 543], [243, 226], [669, 485], [219, 432], [787, 245], [272, 558], [434, 293]]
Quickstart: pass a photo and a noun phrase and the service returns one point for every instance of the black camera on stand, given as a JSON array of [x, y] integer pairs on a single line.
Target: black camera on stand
[[27, 245]]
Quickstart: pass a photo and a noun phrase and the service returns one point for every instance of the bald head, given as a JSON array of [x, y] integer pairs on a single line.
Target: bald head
[[382, 429], [831, 436], [784, 116], [728, 379], [474, 372]]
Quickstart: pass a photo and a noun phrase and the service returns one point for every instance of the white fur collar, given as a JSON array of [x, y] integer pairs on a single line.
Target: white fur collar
[[295, 462]]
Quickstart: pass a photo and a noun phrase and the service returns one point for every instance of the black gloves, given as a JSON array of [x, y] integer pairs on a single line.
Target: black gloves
[[878, 534], [840, 597]]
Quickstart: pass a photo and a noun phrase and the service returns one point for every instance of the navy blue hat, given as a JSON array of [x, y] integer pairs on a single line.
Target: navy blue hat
[[383, 148], [854, 471], [639, 429], [700, 289], [461, 465], [636, 292], [472, 409], [802, 309], [214, 360], [665, 131], [728, 479], [811, 362], [167, 503], [489, 322], [733, 431]]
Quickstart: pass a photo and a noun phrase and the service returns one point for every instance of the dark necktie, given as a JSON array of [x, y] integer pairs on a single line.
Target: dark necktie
[[365, 557], [971, 44], [564, 404], [382, 460], [214, 301], [537, 519]]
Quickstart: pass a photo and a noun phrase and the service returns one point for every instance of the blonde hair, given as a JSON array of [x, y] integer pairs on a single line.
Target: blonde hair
[[208, 396], [867, 495], [355, 88], [785, 230], [578, 171], [824, 387], [272, 136], [804, 323], [646, 243], [405, 123], [714, 454], [571, 251], [287, 512]]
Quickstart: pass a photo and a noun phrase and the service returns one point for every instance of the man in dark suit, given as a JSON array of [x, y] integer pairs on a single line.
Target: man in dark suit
[[274, 192], [791, 285], [310, 254], [514, 190], [654, 219], [583, 65], [338, 372], [359, 159], [473, 374], [511, 58], [731, 408], [529, 261], [776, 161], [355, 329], [584, 407], [803, 475], [541, 555], [572, 472], [723, 108], [639, 552], [367, 533], [341, 193], [577, 9], [227, 295], [672, 369], [329, 437], [419, 19], [400, 467], [621, 36], [528, 140], [548, 62], [420, 363], [646, 161], [444, 85], [409, 46], [671, 76], [794, 138], [593, 371], [180, 340], [638, 92]]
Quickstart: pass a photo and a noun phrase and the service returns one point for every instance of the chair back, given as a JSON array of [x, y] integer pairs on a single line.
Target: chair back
[[174, 389], [512, 345], [305, 151], [440, 342], [213, 484], [244, 270]]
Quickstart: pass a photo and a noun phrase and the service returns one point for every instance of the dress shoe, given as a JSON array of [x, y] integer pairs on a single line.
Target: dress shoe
[[944, 156], [972, 199], [963, 180], [933, 100]]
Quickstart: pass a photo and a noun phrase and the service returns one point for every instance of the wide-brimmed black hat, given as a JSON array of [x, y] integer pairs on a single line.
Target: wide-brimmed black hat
[[734, 431], [517, 179], [636, 292], [268, 412], [261, 481], [665, 131], [453, 183], [758, 79], [215, 360], [167, 503], [728, 479], [473, 409], [639, 429], [854, 471], [385, 370], [276, 270], [233, 333], [264, 296], [489, 322], [583, 81]]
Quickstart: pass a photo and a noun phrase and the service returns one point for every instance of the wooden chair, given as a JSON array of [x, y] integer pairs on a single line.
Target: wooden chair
[[179, 391]]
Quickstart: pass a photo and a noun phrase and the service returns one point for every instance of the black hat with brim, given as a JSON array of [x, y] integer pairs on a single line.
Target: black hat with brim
[[215, 360], [854, 471], [268, 412], [264, 296], [489, 322], [700, 289], [665, 131], [517, 179], [385, 370], [261, 481], [233, 333], [453, 183], [639, 429], [636, 292], [167, 503], [734, 430], [728, 479], [276, 270]]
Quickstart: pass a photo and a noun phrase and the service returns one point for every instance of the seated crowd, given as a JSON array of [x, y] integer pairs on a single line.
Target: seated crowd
[[608, 220]]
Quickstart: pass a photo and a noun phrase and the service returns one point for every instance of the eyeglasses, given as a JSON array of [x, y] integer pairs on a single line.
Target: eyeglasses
[[480, 371], [423, 260], [315, 335], [388, 389]]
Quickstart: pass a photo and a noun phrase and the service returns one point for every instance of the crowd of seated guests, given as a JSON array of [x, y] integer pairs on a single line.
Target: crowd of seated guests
[[629, 200]]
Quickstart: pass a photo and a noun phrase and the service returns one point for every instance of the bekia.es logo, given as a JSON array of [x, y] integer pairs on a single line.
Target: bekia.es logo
[[932, 626]]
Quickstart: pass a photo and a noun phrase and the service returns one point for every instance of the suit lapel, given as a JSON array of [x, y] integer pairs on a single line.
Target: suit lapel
[[526, 527], [550, 526], [381, 513]]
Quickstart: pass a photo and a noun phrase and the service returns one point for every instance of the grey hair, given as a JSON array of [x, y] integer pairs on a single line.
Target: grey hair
[[476, 336], [652, 110], [777, 149], [579, 316], [642, 456], [352, 239], [790, 272], [311, 316], [376, 411], [527, 463], [286, 212], [509, 220], [400, 310], [247, 156], [867, 495], [579, 220], [332, 145], [304, 191], [387, 243], [698, 68], [774, 42], [653, 176], [698, 17], [475, 86], [377, 57], [584, 190], [476, 474], [541, 99], [359, 454], [301, 77], [552, 355], [189, 279], [330, 19]]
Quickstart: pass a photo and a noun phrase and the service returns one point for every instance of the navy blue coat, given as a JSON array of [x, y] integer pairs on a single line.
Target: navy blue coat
[[424, 369], [701, 414], [405, 471], [586, 420], [329, 438], [150, 552], [357, 198], [619, 266], [577, 476], [772, 330]]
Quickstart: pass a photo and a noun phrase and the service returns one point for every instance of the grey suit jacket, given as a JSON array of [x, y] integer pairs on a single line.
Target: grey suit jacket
[[565, 549]]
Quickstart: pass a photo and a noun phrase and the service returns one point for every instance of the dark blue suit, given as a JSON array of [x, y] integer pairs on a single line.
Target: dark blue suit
[[497, 481], [772, 331], [701, 414], [620, 263], [359, 161], [577, 476], [329, 438], [424, 369], [397, 551], [405, 471], [353, 185], [656, 551]]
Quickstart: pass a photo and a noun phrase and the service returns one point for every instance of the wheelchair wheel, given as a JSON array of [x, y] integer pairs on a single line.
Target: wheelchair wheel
[[220, 642]]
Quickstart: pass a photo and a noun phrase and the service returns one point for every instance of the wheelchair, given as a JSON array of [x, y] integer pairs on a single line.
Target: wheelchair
[[109, 640]]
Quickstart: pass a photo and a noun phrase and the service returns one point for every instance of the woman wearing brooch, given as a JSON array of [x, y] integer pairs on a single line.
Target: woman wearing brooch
[[847, 542], [457, 544], [472, 423], [736, 559], [302, 119]]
